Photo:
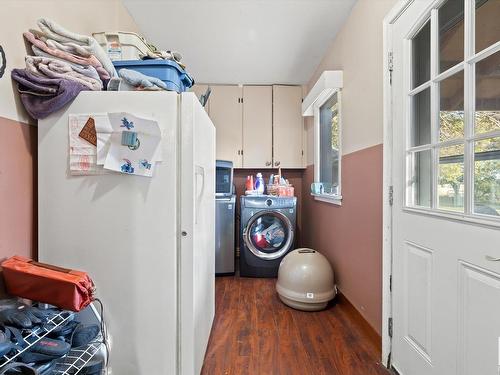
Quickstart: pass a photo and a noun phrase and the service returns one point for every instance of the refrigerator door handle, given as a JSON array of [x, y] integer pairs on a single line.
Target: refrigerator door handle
[[199, 171]]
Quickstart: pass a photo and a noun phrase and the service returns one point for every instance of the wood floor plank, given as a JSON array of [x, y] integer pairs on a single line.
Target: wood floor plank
[[315, 342], [244, 340], [254, 333], [292, 359], [219, 352], [267, 333]]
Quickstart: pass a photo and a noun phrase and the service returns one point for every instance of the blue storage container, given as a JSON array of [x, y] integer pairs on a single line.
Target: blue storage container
[[176, 78]]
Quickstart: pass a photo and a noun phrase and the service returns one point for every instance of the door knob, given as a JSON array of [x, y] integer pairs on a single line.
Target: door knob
[[268, 163], [492, 259], [277, 163]]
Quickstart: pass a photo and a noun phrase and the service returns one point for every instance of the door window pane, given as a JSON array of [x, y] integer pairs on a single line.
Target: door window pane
[[451, 107], [421, 51], [487, 176], [451, 178], [487, 115], [421, 179], [487, 23], [329, 143], [421, 125], [451, 34]]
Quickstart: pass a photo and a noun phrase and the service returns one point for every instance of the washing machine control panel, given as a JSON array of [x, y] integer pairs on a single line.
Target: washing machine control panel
[[273, 202]]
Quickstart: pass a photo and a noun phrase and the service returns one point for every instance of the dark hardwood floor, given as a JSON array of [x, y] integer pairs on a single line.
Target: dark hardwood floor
[[255, 334]]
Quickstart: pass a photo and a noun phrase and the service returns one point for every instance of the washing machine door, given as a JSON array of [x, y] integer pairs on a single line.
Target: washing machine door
[[268, 235]]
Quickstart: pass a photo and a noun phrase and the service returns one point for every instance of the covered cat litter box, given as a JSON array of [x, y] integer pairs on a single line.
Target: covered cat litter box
[[305, 280]]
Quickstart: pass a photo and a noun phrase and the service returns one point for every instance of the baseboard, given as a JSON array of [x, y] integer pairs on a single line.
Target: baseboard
[[370, 332]]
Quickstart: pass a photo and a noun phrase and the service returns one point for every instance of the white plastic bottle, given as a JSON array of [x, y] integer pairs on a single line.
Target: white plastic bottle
[[259, 184]]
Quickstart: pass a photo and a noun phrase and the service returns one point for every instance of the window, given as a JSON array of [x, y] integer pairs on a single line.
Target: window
[[327, 146], [453, 142]]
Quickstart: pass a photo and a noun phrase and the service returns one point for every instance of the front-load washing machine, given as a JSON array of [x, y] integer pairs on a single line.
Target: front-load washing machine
[[267, 233]]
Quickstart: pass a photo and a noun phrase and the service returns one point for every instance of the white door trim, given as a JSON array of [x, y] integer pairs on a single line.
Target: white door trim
[[389, 20]]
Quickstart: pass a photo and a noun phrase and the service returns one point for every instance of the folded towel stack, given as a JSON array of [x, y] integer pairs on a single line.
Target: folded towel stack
[[64, 64]]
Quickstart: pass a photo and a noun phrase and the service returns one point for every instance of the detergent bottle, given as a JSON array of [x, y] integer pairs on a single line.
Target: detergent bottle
[[259, 184]]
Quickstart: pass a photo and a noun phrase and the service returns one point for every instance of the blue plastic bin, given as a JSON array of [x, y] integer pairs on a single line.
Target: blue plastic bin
[[176, 78]]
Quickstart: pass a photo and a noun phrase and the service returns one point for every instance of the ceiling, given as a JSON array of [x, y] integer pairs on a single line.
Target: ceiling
[[243, 41]]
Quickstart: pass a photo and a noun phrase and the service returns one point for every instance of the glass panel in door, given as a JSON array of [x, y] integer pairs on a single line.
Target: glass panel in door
[[487, 176], [487, 115], [421, 52], [451, 178], [451, 111], [487, 25], [451, 34], [421, 124], [421, 179]]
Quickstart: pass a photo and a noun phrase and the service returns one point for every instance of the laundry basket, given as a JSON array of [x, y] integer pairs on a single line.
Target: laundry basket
[[305, 280], [176, 78], [122, 45]]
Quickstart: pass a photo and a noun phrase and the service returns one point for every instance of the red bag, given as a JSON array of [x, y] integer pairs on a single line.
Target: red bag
[[61, 287]]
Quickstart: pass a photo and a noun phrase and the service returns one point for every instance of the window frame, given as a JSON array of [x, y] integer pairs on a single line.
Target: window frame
[[328, 198], [468, 67]]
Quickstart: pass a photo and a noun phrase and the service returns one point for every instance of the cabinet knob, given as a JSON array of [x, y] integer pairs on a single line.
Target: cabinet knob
[[277, 163], [268, 163], [239, 152]]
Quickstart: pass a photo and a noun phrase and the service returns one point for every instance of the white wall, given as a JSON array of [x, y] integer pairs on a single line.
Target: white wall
[[357, 50], [81, 16]]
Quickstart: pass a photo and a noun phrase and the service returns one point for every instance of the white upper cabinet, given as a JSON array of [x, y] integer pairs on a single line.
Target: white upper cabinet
[[288, 127], [257, 127], [226, 114]]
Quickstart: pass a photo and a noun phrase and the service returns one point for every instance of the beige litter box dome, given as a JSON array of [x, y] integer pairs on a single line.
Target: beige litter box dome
[[305, 280]]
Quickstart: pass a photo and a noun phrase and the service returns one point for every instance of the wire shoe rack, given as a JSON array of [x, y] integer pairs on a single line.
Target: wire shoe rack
[[33, 336], [71, 363], [77, 358]]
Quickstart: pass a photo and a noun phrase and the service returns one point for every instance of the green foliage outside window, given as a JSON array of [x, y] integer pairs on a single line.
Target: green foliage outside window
[[487, 159]]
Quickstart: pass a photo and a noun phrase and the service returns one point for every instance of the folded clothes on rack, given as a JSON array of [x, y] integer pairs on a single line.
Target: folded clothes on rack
[[41, 95], [71, 41], [53, 68], [84, 68], [90, 60]]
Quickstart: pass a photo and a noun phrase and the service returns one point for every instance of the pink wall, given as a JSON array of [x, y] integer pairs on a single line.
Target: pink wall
[[351, 235], [17, 189]]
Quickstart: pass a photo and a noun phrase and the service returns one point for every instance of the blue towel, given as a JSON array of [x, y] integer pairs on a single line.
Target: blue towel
[[137, 79]]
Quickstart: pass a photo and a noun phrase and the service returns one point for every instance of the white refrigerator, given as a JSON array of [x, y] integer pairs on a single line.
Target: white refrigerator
[[148, 243]]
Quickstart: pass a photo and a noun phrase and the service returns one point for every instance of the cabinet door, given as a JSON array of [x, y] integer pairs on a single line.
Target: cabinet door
[[199, 90], [288, 127], [226, 114], [257, 126]]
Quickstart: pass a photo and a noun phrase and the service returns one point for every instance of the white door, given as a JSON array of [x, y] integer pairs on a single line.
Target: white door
[[446, 177], [197, 238], [257, 126], [288, 127], [226, 114]]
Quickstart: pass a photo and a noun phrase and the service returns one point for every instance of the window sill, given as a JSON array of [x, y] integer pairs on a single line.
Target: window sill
[[332, 199]]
